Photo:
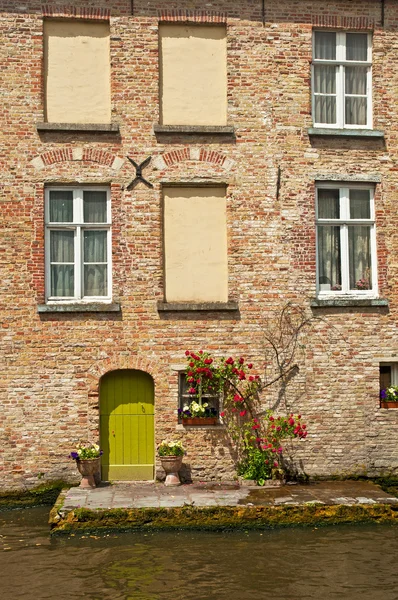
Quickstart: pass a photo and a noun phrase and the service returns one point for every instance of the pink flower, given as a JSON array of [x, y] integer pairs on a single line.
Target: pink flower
[[191, 390], [275, 464]]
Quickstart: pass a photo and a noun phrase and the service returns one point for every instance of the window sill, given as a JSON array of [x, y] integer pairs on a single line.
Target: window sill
[[195, 129], [197, 306], [361, 133], [83, 127], [78, 307], [325, 302]]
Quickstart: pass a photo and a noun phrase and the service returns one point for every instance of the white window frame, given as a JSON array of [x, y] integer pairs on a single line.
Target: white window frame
[[78, 226], [343, 222], [341, 63]]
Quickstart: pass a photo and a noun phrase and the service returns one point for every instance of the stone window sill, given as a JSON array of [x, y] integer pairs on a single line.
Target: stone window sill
[[358, 133], [341, 302], [195, 129], [82, 127], [197, 306], [79, 307]]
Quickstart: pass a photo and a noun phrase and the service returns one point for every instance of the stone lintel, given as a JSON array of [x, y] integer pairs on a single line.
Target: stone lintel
[[363, 133], [195, 129], [78, 307], [195, 306], [342, 302], [83, 127]]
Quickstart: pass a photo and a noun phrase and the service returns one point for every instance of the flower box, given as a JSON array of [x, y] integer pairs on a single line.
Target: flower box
[[200, 421], [385, 404]]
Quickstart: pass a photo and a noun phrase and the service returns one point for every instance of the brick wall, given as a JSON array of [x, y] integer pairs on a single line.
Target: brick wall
[[52, 363]]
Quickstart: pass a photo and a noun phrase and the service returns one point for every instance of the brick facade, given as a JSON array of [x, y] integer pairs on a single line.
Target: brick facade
[[52, 362]]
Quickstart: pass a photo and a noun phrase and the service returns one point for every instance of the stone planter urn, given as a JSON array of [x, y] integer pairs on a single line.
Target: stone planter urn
[[88, 469], [171, 465]]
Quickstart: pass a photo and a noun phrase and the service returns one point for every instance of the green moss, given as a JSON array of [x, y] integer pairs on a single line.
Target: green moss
[[223, 518], [45, 494]]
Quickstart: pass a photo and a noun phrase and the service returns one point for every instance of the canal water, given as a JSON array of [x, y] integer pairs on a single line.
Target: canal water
[[329, 563]]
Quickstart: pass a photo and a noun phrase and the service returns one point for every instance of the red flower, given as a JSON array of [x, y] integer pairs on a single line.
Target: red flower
[[192, 390], [191, 364], [253, 426], [275, 464], [187, 352], [208, 361], [291, 421], [241, 360], [229, 361], [222, 414], [242, 413], [250, 366]]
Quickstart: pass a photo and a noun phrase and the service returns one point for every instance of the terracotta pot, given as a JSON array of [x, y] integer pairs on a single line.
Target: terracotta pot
[[88, 469], [384, 404], [171, 465], [200, 421]]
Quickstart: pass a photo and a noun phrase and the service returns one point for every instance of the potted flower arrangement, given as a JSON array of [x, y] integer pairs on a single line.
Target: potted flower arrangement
[[87, 456], [389, 397], [198, 414], [170, 454]]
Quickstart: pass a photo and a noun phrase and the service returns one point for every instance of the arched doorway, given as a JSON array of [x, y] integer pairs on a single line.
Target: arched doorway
[[127, 425]]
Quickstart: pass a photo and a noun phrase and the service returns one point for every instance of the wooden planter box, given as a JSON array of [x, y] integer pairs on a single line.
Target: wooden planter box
[[384, 404], [202, 421]]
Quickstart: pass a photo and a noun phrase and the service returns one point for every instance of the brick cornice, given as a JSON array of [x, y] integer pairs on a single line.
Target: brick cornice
[[341, 21], [75, 12], [193, 16]]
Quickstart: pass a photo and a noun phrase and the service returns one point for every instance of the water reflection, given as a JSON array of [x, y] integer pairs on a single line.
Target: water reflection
[[345, 563]]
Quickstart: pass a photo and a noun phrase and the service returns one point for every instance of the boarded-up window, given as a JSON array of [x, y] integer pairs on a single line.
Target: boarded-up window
[[77, 72], [193, 75], [195, 242]]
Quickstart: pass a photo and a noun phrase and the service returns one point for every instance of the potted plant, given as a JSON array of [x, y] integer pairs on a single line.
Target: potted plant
[[389, 397], [195, 413], [87, 456], [170, 454]]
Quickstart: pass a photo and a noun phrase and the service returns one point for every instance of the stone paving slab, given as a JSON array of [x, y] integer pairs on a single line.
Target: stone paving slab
[[155, 495]]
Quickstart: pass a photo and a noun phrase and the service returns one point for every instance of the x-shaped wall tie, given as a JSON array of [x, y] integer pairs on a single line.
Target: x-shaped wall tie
[[138, 173]]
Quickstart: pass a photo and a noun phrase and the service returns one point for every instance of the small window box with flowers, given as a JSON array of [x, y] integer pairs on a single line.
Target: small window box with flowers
[[199, 400], [389, 397]]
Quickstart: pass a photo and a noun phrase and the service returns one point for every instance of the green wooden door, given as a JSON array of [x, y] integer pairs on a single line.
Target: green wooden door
[[127, 425]]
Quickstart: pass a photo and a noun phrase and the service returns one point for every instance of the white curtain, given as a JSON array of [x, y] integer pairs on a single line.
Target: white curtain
[[329, 246], [63, 271], [359, 241], [95, 274], [94, 206], [61, 206]]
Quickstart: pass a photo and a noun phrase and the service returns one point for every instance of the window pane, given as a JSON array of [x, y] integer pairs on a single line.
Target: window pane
[[355, 110], [61, 206], [324, 79], [385, 376], [359, 204], [95, 280], [62, 246], [94, 207], [328, 204], [325, 109], [356, 46], [95, 246], [325, 45], [359, 257], [62, 280], [355, 80], [329, 258]]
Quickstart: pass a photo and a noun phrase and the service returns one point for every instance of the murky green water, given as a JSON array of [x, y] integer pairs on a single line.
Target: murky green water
[[344, 563]]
